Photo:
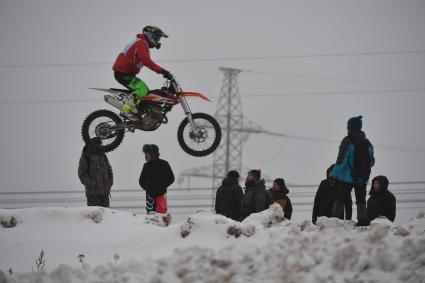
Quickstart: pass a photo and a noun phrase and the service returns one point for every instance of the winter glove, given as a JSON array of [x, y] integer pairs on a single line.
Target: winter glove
[[167, 74]]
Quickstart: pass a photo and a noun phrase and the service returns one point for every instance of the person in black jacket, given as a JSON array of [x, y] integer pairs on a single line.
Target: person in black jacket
[[326, 196], [381, 201], [155, 178], [279, 194], [229, 196]]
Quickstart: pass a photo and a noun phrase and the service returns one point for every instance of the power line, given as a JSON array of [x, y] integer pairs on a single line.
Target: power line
[[325, 140], [317, 55], [248, 58], [391, 183], [248, 96], [325, 78], [49, 101], [176, 190], [296, 137], [218, 59], [321, 78], [48, 65], [320, 93]]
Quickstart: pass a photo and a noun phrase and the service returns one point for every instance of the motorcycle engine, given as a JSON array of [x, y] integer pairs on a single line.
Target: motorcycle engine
[[152, 119]]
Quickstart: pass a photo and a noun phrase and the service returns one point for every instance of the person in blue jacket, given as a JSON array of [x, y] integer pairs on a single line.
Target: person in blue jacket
[[352, 170]]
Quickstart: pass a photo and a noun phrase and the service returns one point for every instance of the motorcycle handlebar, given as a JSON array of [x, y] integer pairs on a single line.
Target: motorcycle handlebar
[[175, 85]]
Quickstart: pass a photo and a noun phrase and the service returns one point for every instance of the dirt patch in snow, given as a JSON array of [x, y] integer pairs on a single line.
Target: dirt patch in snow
[[8, 221], [96, 215]]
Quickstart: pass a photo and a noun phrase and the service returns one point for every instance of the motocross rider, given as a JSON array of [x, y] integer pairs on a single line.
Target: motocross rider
[[129, 62]]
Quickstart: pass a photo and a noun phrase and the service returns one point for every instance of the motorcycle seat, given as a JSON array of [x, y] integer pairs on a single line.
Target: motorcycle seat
[[122, 90]]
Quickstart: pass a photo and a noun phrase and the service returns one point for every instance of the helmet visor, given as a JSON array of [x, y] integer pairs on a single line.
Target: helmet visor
[[161, 33]]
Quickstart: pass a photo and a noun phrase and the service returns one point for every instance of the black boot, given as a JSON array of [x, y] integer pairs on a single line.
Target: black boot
[[362, 215]]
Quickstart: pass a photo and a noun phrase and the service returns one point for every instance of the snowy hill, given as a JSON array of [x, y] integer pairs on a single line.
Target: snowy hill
[[93, 244]]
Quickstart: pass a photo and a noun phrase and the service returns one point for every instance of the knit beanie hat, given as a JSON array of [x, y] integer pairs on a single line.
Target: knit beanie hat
[[256, 173], [233, 174]]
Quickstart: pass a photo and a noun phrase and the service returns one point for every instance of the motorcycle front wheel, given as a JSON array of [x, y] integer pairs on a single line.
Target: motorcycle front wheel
[[204, 140], [101, 124]]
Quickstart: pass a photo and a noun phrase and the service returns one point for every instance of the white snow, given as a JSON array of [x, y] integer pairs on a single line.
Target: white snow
[[117, 246]]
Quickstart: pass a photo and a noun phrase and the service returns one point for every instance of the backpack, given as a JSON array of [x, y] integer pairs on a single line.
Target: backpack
[[363, 161]]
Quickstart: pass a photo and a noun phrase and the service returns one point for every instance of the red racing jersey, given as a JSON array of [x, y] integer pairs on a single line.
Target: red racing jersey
[[134, 56]]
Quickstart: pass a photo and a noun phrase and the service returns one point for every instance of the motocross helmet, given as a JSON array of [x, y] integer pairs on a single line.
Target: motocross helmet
[[154, 34]]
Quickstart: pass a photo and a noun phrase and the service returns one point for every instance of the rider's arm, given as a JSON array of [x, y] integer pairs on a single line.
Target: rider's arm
[[145, 59]]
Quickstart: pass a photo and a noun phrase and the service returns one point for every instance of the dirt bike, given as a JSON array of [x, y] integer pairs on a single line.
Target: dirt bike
[[199, 134]]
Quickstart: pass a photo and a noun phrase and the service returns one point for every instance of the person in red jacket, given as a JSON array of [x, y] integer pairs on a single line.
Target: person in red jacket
[[129, 62]]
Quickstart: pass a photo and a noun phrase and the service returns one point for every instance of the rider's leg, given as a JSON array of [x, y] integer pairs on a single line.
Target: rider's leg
[[139, 88]]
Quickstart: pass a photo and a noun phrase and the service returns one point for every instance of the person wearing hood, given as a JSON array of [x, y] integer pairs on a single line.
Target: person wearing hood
[[381, 201], [155, 178], [95, 173], [352, 170], [326, 196], [254, 199], [278, 193], [229, 196]]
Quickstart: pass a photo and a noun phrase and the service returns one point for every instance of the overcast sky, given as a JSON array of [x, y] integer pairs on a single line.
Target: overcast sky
[[41, 143]]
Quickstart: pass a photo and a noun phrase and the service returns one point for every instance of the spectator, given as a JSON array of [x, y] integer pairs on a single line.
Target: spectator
[[352, 169], [155, 178], [381, 201], [95, 173], [279, 194], [254, 199], [229, 196], [325, 198]]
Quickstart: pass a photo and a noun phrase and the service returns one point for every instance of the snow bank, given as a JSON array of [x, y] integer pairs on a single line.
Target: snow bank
[[122, 247]]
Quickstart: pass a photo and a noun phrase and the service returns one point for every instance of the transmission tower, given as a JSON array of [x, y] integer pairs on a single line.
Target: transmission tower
[[235, 131], [228, 156]]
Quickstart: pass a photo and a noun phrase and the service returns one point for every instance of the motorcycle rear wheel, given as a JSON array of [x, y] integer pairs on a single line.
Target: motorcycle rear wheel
[[99, 124]]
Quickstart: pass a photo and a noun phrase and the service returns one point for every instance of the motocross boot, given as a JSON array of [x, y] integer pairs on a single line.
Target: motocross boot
[[140, 90], [128, 111]]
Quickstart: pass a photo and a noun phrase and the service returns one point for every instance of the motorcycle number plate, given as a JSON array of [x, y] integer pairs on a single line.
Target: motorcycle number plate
[[124, 98]]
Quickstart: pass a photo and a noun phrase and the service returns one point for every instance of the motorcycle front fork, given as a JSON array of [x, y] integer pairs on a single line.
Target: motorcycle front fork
[[188, 113]]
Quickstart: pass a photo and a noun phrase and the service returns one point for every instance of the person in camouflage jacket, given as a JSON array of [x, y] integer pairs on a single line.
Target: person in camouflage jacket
[[95, 174]]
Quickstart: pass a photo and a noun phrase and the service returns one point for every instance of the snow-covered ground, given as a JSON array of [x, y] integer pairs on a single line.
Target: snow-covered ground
[[93, 244]]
